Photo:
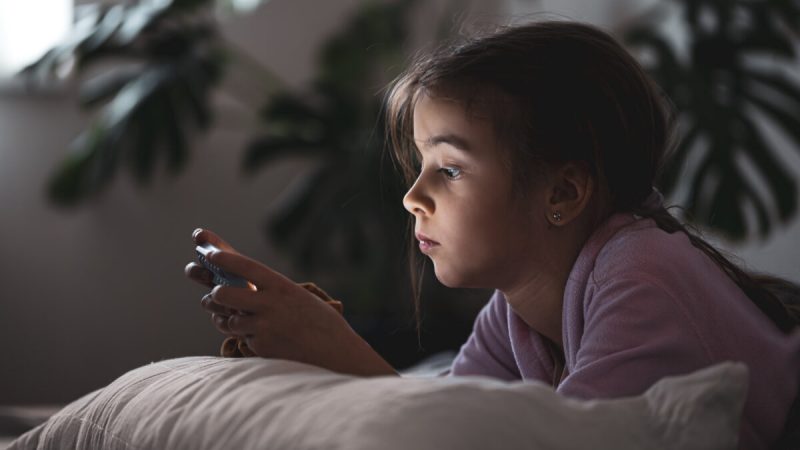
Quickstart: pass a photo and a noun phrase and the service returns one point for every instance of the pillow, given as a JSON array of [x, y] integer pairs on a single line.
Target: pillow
[[244, 403]]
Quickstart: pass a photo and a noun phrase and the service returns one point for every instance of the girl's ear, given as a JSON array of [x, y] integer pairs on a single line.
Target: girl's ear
[[569, 191]]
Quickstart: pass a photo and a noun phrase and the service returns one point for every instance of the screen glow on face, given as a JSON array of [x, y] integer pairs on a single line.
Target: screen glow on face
[[466, 219]]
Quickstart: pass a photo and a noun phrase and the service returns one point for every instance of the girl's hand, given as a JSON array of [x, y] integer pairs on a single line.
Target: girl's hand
[[196, 272], [280, 319]]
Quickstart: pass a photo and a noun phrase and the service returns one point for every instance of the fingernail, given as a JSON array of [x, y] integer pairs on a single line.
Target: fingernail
[[196, 232]]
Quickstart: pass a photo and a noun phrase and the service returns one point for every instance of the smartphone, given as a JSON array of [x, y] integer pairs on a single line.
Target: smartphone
[[220, 276]]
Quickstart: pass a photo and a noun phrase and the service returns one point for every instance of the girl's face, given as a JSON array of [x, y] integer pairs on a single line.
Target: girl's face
[[467, 221]]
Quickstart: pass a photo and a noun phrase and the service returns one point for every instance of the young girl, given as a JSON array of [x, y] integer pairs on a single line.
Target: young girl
[[532, 155]]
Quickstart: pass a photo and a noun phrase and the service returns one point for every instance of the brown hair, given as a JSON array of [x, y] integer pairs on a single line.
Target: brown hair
[[563, 91]]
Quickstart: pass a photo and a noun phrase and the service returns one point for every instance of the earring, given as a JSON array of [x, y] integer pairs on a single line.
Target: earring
[[557, 216]]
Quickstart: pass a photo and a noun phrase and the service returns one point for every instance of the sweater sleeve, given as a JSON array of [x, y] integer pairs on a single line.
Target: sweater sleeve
[[488, 349], [634, 333]]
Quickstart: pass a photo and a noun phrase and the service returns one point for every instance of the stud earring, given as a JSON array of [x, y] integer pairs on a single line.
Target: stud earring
[[557, 216]]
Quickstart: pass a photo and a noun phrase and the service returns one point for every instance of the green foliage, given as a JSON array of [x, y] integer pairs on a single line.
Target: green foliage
[[719, 92], [167, 63], [348, 209]]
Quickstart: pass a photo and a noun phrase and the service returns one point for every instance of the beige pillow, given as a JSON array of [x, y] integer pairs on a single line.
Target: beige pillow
[[253, 403]]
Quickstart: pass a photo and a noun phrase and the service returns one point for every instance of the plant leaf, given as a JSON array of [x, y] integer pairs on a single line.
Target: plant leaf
[[764, 224], [111, 20], [266, 149], [293, 214], [778, 83], [71, 181], [696, 205], [677, 159], [789, 123], [105, 86], [779, 181], [139, 18], [143, 154], [175, 145], [726, 213]]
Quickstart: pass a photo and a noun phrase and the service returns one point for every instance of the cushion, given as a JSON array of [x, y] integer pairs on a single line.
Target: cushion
[[244, 403]]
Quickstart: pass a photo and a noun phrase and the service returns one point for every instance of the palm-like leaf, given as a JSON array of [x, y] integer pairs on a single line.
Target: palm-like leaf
[[145, 105], [717, 92], [348, 209]]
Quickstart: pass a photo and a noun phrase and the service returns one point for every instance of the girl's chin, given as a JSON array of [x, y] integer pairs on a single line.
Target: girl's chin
[[449, 277]]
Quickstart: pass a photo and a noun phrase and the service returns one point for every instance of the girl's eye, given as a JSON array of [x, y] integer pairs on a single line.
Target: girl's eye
[[450, 173]]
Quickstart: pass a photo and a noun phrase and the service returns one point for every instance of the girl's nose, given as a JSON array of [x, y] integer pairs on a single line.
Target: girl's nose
[[416, 201]]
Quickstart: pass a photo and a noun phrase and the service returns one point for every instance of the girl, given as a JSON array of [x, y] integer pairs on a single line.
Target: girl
[[532, 155]]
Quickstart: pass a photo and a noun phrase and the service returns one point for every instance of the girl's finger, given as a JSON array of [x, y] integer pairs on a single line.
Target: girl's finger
[[215, 308], [260, 275], [201, 236], [199, 274], [242, 325], [221, 322], [240, 299]]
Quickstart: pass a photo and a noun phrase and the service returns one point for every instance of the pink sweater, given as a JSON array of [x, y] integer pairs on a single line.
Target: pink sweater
[[641, 304]]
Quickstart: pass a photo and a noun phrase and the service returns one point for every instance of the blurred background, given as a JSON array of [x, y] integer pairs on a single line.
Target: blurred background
[[133, 123]]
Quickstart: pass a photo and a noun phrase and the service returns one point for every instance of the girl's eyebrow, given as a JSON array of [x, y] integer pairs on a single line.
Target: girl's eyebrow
[[450, 139]]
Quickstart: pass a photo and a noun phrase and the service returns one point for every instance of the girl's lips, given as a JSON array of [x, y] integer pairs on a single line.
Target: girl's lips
[[425, 243], [426, 246]]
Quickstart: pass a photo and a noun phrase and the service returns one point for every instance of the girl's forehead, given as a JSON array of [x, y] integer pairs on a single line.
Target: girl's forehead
[[447, 120]]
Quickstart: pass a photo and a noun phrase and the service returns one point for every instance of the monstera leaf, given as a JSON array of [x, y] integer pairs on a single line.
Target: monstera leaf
[[348, 209], [164, 68], [721, 92]]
